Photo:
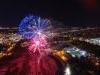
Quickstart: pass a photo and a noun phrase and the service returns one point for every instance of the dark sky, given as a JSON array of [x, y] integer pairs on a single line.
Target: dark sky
[[66, 11]]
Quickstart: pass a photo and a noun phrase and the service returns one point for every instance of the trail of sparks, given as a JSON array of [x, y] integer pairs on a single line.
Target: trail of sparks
[[38, 45]]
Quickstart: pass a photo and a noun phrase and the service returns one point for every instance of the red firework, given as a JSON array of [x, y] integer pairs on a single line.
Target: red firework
[[38, 43]]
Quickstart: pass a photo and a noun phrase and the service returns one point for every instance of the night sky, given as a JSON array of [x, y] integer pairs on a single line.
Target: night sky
[[69, 12]]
